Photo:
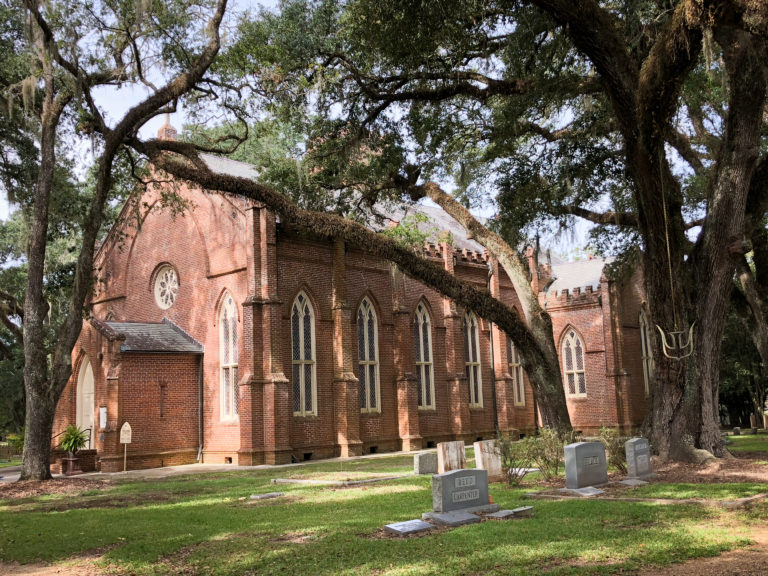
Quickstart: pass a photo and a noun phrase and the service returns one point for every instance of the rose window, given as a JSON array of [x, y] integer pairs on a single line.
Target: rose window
[[166, 287]]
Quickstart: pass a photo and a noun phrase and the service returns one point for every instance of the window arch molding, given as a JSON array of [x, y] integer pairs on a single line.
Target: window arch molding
[[303, 355], [573, 363], [424, 356], [472, 359], [228, 322]]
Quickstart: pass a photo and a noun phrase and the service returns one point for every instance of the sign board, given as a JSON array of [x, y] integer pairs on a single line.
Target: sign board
[[102, 417], [125, 434]]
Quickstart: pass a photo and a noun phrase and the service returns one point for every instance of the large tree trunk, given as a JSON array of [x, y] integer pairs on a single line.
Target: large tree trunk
[[41, 405]]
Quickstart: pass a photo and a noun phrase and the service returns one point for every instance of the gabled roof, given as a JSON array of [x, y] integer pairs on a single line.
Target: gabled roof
[[154, 337], [222, 165]]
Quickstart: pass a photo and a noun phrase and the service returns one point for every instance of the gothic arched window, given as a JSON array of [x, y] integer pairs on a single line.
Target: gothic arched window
[[303, 356], [472, 360], [368, 357], [573, 364], [425, 375], [228, 356]]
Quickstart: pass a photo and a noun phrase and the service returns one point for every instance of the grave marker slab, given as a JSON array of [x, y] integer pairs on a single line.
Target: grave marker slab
[[585, 464], [586, 492], [460, 490], [267, 495], [737, 431], [456, 518], [451, 456], [633, 482], [408, 527], [425, 463], [638, 452], [488, 457]]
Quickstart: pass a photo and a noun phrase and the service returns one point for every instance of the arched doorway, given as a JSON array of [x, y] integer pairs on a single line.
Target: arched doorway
[[85, 400]]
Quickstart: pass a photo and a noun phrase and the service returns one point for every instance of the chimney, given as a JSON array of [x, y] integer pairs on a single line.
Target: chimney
[[167, 132]]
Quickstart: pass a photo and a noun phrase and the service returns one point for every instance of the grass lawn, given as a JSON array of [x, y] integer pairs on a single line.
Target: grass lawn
[[15, 461], [198, 523], [751, 443], [729, 491]]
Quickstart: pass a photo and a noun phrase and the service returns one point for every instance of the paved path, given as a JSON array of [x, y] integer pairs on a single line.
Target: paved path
[[11, 474]]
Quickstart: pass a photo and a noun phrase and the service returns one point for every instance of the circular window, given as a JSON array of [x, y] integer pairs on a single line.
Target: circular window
[[166, 286]]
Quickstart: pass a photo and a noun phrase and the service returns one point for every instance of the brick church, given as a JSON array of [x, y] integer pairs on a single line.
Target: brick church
[[221, 335]]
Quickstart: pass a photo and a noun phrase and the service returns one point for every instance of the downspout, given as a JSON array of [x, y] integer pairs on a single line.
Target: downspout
[[200, 429]]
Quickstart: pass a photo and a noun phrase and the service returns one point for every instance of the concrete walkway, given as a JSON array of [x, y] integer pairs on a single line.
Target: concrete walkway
[[12, 474]]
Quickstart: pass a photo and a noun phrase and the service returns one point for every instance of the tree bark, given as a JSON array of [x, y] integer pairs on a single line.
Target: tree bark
[[545, 378]]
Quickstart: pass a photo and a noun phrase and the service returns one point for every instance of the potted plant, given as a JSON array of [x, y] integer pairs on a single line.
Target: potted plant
[[73, 440]]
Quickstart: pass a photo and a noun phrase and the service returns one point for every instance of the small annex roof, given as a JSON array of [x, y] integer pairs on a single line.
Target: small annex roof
[[580, 274], [153, 337]]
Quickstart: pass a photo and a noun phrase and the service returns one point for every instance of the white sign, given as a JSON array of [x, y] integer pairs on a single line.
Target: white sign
[[102, 417], [125, 434]]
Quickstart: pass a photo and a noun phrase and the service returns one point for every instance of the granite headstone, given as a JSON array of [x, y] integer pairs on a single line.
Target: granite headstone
[[459, 490], [585, 465], [638, 452], [425, 463]]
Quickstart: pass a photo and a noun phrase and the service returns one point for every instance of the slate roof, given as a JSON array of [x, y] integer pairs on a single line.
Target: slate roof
[[570, 275], [222, 165], [154, 337]]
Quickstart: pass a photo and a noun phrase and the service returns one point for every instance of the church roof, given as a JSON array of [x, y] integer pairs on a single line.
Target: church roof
[[580, 274], [153, 337]]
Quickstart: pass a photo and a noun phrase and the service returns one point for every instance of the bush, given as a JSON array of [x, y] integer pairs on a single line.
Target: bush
[[515, 458], [547, 451], [73, 440], [16, 441], [614, 448]]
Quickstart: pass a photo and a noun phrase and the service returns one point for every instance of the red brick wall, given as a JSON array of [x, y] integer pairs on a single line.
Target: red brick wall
[[213, 248]]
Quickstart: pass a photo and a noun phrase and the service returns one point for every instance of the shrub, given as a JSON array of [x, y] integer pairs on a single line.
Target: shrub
[[614, 448], [547, 451], [73, 440], [16, 441], [515, 458]]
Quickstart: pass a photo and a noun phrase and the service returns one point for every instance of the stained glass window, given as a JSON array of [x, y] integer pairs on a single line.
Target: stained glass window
[[228, 358], [573, 364], [472, 359]]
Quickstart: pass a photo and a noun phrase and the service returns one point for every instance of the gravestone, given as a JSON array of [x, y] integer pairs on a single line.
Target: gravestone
[[752, 421], [585, 465], [451, 456], [408, 527], [460, 490], [488, 457], [737, 431], [425, 463], [765, 421], [638, 453]]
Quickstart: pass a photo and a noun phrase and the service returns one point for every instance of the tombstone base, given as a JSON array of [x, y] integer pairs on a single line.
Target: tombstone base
[[649, 476], [457, 518], [632, 482], [488, 508]]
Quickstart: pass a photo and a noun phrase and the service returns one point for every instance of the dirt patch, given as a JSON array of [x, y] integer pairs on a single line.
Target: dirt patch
[[736, 469], [60, 486], [294, 538], [751, 561], [64, 569]]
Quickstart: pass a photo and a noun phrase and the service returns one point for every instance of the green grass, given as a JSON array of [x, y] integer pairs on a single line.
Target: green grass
[[751, 443], [158, 527], [15, 461]]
